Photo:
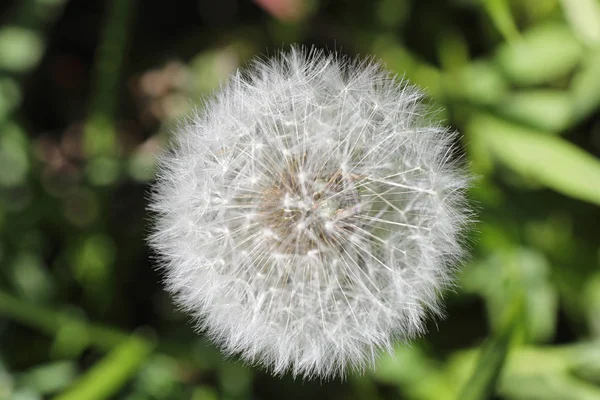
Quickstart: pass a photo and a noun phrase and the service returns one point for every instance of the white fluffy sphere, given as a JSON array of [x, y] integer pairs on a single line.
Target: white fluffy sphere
[[309, 215]]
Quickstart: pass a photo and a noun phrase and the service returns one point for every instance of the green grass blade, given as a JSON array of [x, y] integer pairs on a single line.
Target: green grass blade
[[482, 383], [106, 378]]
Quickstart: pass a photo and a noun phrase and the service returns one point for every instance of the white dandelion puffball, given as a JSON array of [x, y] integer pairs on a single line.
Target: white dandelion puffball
[[309, 214]]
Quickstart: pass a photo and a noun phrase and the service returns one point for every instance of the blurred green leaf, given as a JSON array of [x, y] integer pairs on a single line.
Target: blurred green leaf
[[70, 340], [591, 302], [540, 297], [102, 170], [544, 109], [20, 48], [105, 378], [6, 382], [22, 44], [92, 266], [539, 373], [96, 255], [480, 82], [535, 11], [31, 277], [584, 358], [584, 18], [453, 50], [50, 378], [520, 272], [25, 394], [550, 160], [419, 376], [14, 161], [500, 14], [404, 63], [542, 54], [211, 68], [585, 87], [142, 166], [205, 393], [158, 377], [10, 97], [548, 387]]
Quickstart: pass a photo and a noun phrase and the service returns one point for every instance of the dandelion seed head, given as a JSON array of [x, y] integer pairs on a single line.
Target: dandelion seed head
[[310, 214]]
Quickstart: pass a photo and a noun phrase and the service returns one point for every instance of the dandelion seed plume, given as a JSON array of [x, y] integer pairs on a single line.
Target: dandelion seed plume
[[309, 214]]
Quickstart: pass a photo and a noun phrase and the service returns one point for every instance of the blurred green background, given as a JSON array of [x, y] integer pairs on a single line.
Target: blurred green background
[[90, 91]]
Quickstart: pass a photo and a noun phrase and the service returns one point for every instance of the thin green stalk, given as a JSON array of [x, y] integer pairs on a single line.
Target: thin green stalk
[[106, 377], [482, 383], [100, 135]]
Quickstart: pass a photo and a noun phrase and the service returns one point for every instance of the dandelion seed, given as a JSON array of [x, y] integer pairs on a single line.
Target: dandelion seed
[[309, 216]]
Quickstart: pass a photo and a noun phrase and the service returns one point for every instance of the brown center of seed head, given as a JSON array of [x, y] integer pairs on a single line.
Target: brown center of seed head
[[307, 213]]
